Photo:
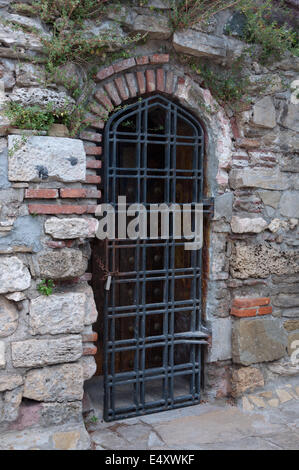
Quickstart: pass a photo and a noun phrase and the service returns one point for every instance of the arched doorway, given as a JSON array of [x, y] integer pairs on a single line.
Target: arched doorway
[[150, 308]]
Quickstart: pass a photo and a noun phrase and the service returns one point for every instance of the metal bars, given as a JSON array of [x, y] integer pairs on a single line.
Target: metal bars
[[152, 312]]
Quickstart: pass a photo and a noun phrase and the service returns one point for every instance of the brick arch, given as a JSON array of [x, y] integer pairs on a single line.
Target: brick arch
[[137, 76]]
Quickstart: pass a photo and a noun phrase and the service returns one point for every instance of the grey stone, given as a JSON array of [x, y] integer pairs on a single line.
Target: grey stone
[[8, 317], [14, 276], [10, 381], [199, 44], [12, 401], [270, 198], [290, 162], [286, 300], [2, 355], [4, 183], [26, 231], [59, 413], [264, 113], [69, 228], [221, 339], [257, 340], [63, 264], [154, 26], [289, 204], [259, 261], [56, 383], [224, 206], [284, 368], [42, 158], [258, 178], [58, 313], [71, 436], [28, 75], [246, 225], [290, 117], [89, 366], [42, 97], [11, 37], [16, 296], [41, 352]]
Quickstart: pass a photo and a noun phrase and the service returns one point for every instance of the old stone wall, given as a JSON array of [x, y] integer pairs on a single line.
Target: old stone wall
[[49, 191]]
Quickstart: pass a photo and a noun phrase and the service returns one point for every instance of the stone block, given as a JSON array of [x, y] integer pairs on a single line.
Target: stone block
[[58, 313], [8, 317], [2, 355], [267, 178], [14, 276], [289, 204], [246, 225], [270, 198], [10, 381], [63, 264], [43, 158], [42, 352], [41, 97], [224, 206], [56, 383], [257, 340], [259, 261], [264, 113], [70, 228], [12, 401], [221, 339], [58, 413], [293, 343], [199, 44], [246, 379], [289, 117]]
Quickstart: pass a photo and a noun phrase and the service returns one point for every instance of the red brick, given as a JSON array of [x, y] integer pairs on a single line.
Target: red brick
[[112, 92], [235, 128], [121, 88], [99, 110], [104, 73], [255, 302], [169, 83], [90, 338], [60, 244], [124, 65], [94, 164], [90, 351], [245, 312], [93, 121], [141, 82], [159, 58], [92, 150], [79, 193], [150, 80], [160, 80], [142, 60], [93, 179], [92, 136], [265, 310], [41, 193], [103, 99], [130, 77], [58, 209], [248, 143]]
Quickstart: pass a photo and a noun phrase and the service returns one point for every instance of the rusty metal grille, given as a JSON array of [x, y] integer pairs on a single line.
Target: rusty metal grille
[[152, 311]]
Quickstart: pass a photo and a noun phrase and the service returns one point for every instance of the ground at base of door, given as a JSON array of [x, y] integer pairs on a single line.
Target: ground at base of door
[[201, 427]]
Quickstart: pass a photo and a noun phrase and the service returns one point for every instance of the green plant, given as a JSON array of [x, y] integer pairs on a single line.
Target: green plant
[[228, 86], [45, 287], [17, 145], [94, 419], [186, 13], [34, 117], [261, 29]]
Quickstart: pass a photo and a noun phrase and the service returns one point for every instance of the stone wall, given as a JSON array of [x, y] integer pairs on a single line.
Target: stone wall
[[49, 191]]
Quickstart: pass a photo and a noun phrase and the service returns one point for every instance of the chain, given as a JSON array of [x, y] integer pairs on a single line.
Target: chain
[[104, 268]]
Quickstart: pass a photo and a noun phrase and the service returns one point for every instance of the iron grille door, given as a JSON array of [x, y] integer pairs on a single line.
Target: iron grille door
[[152, 311]]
